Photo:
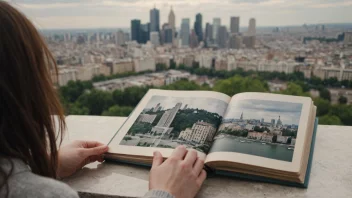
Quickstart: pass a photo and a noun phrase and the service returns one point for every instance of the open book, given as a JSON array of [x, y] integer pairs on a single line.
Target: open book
[[252, 135]]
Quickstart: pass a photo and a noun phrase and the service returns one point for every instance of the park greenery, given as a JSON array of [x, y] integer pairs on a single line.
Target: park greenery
[[80, 98]]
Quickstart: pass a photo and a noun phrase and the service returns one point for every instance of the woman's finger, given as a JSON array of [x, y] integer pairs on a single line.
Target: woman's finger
[[191, 157], [179, 153], [96, 150], [202, 177], [198, 166], [157, 159]]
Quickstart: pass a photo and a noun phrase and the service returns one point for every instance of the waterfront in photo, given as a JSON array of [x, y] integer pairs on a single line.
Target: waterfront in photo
[[246, 146]]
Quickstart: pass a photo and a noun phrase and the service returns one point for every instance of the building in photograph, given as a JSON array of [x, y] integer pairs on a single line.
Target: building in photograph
[[165, 121], [145, 33], [146, 118], [208, 34], [144, 64], [199, 133], [120, 38]]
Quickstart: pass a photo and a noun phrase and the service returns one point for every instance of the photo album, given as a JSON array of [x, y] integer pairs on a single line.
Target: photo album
[[258, 136]]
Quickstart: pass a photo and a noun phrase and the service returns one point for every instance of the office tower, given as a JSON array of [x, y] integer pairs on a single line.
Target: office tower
[[120, 38], [167, 34], [135, 30], [194, 39], [154, 20], [154, 38], [216, 26], [251, 27], [145, 33], [198, 27], [249, 41], [222, 37], [185, 29], [235, 25], [208, 33], [235, 41], [168, 116], [172, 23], [127, 37]]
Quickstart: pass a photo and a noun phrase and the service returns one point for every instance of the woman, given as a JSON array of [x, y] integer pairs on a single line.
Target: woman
[[30, 162]]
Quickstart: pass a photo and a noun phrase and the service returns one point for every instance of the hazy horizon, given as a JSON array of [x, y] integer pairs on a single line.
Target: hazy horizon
[[115, 14]]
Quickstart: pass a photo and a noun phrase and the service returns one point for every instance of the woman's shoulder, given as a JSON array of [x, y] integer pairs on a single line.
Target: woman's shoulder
[[23, 182]]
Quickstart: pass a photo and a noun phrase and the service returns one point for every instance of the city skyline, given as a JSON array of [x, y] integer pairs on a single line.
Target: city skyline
[[290, 113], [168, 102], [113, 13]]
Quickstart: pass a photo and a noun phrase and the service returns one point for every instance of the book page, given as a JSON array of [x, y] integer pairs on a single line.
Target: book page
[[165, 119], [266, 130]]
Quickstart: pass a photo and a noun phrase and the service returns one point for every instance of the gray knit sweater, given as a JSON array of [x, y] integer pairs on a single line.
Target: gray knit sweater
[[24, 183]]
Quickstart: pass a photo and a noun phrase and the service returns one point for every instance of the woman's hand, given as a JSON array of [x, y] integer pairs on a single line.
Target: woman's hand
[[181, 175], [75, 155]]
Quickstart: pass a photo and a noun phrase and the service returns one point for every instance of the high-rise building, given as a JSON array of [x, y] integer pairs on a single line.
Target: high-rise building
[[198, 27], [249, 41], [235, 41], [169, 116], [145, 33], [241, 118], [194, 39], [208, 33], [172, 23], [216, 26], [222, 37], [235, 25], [185, 30], [252, 27], [154, 20], [136, 30], [120, 38], [154, 38], [168, 35]]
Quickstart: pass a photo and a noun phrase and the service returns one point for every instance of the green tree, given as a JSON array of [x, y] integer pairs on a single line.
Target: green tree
[[73, 90], [78, 109], [238, 84], [343, 100], [96, 101], [325, 94], [344, 112], [330, 120], [118, 111], [294, 90], [323, 106], [160, 67]]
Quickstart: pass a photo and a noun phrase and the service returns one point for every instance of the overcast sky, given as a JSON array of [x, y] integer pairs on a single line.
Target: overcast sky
[[257, 109], [118, 13], [210, 104]]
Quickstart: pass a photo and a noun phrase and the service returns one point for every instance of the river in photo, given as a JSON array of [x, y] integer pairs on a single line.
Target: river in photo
[[245, 146]]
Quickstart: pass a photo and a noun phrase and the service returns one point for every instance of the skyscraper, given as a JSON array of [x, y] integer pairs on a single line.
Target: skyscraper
[[145, 33], [198, 27], [154, 20], [194, 39], [185, 29], [216, 26], [136, 30], [154, 38], [120, 38], [235, 25], [252, 27], [168, 116], [172, 23], [208, 33], [235, 41], [222, 37]]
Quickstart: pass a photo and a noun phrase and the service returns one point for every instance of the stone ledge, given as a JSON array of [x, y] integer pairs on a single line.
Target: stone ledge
[[331, 174]]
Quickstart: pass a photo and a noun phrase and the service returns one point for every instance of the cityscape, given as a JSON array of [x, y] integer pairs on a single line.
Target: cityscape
[[161, 46], [182, 123], [272, 138]]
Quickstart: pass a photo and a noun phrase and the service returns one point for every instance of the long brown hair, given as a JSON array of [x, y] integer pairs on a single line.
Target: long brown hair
[[28, 99]]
